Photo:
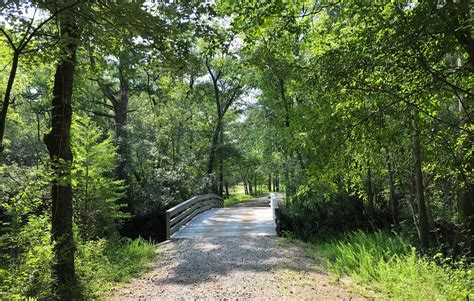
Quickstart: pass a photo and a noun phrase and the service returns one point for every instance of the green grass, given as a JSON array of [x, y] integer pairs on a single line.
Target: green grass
[[103, 264], [100, 265], [237, 195], [237, 198], [390, 267]]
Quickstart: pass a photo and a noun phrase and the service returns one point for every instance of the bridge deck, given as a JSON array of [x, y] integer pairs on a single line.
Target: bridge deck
[[237, 221]]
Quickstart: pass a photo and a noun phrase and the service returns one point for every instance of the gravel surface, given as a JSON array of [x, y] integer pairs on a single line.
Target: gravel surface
[[233, 268]]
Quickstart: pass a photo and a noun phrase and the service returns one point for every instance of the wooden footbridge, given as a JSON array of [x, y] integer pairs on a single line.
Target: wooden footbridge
[[204, 216]]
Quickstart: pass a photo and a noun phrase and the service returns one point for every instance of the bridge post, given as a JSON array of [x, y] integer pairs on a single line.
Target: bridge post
[[168, 225], [276, 212]]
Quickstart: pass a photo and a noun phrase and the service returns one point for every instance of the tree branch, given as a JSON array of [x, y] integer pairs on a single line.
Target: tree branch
[[10, 41]]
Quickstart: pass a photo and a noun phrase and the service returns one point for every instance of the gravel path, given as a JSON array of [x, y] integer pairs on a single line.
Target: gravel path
[[233, 268]]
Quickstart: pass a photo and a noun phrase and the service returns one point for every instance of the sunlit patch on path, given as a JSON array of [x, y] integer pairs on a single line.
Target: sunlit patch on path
[[218, 222]]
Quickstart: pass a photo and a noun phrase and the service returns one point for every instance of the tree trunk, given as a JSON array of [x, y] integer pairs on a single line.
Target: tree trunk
[[466, 202], [394, 206], [58, 144], [221, 165], [227, 194], [422, 211], [246, 190], [120, 117], [269, 183], [213, 151], [249, 181], [255, 183], [6, 99], [370, 192], [288, 187]]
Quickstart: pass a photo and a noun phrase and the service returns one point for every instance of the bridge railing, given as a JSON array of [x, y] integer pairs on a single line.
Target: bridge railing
[[180, 214], [276, 212]]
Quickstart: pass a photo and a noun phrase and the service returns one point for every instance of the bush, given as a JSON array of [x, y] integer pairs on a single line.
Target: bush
[[391, 266], [27, 267], [326, 216]]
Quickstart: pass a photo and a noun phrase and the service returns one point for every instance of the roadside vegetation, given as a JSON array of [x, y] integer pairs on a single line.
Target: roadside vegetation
[[101, 265], [387, 266]]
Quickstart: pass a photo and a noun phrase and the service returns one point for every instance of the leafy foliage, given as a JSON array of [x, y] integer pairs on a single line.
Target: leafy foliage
[[96, 193], [390, 266]]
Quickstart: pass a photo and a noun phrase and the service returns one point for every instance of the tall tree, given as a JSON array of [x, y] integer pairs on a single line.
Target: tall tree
[[59, 147], [32, 27], [227, 89]]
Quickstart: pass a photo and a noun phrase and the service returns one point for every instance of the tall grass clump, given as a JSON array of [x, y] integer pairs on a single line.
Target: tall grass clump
[[101, 264], [392, 267]]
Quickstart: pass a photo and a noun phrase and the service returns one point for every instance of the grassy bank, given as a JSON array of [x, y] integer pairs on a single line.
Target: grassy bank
[[100, 265], [386, 266], [104, 264]]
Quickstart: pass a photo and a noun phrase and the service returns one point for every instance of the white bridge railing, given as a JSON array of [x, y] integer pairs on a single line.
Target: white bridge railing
[[180, 214], [276, 212]]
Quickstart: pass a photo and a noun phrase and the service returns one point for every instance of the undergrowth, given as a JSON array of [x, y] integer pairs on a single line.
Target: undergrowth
[[391, 266], [104, 263], [100, 265]]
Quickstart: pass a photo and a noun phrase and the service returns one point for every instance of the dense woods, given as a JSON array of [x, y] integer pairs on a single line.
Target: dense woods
[[111, 113]]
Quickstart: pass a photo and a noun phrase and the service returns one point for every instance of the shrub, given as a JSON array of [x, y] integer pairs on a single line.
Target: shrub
[[324, 216]]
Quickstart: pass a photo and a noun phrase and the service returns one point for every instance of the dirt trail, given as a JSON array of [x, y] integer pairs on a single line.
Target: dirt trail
[[233, 268]]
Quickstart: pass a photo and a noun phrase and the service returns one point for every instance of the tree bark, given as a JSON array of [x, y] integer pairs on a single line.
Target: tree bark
[[269, 183], [466, 202], [370, 192], [120, 117], [227, 194], [212, 153], [394, 206], [58, 144], [221, 166], [255, 183], [420, 195], [6, 99]]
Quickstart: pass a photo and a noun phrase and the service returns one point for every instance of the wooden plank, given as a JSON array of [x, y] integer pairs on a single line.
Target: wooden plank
[[184, 205], [182, 213], [186, 212], [188, 218], [180, 207]]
